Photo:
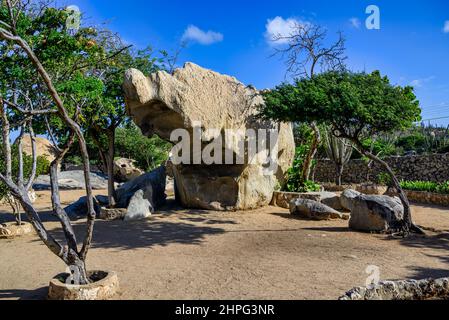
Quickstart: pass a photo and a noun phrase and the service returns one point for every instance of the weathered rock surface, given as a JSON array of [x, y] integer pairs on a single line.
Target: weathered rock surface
[[44, 148], [372, 189], [163, 103], [72, 180], [376, 213], [429, 289], [314, 210], [78, 209], [125, 170], [283, 199], [347, 198], [143, 195]]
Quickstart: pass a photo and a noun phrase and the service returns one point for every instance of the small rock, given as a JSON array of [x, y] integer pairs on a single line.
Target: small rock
[[314, 210], [125, 170]]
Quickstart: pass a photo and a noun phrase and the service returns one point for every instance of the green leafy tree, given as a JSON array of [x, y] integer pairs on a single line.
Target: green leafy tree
[[149, 153], [354, 106], [39, 54]]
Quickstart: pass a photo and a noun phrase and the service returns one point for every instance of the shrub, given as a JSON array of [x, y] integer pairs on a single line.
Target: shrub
[[295, 182], [149, 153], [426, 186]]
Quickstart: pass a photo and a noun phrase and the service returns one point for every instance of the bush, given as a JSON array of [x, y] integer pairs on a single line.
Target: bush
[[294, 178], [426, 186], [149, 153]]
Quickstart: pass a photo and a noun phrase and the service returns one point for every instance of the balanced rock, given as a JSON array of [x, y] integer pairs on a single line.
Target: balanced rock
[[371, 213], [194, 97], [125, 170], [314, 210]]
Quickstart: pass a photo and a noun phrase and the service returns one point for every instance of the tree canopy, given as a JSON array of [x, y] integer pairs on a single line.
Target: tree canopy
[[353, 104]]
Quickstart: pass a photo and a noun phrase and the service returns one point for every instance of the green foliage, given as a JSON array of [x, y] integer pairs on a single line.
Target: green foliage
[[355, 105], [149, 153], [42, 167], [294, 179], [427, 186], [384, 179]]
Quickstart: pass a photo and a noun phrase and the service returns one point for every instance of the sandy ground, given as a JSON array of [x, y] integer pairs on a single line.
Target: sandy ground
[[262, 254]]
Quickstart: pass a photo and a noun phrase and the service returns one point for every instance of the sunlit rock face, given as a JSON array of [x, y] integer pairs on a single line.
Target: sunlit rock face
[[215, 108]]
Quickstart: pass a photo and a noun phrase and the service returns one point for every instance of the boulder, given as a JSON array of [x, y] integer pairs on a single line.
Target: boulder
[[125, 170], [372, 189], [196, 97], [347, 198], [78, 209], [330, 199], [143, 195], [371, 213], [72, 180], [314, 210], [44, 148], [139, 206]]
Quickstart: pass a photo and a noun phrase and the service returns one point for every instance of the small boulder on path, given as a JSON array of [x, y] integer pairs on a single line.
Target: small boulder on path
[[314, 210]]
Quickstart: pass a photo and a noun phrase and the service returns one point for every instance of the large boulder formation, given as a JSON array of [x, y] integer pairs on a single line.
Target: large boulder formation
[[192, 98]]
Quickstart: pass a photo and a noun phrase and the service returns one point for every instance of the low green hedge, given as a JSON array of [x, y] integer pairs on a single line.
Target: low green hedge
[[426, 186]]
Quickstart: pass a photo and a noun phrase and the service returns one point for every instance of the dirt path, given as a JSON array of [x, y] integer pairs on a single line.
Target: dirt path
[[263, 254]]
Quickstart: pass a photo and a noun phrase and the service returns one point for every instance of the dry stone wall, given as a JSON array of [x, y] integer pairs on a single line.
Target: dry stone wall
[[434, 167]]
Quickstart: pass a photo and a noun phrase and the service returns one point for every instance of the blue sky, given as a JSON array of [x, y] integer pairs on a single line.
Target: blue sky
[[411, 47]]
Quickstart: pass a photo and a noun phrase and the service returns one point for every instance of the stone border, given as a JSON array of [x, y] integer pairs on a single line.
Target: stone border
[[423, 197], [11, 230], [104, 289], [402, 290]]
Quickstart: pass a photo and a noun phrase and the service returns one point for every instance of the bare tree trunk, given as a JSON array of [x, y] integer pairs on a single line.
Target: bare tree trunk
[[308, 161], [408, 225], [110, 161]]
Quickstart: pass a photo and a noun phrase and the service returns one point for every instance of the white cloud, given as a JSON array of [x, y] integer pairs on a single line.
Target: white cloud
[[419, 83], [280, 27], [195, 34], [355, 22], [446, 27]]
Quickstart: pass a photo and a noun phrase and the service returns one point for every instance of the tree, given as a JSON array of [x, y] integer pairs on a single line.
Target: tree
[[339, 151], [36, 37], [354, 106], [304, 54], [107, 111]]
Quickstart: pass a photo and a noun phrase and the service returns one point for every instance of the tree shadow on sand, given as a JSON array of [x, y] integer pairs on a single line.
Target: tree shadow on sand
[[38, 294], [438, 242]]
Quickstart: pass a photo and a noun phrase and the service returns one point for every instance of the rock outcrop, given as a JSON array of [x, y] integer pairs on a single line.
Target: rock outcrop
[[195, 97]]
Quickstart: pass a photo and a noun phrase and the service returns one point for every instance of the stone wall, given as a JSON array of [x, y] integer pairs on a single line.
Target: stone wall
[[434, 167]]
